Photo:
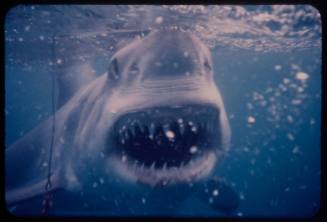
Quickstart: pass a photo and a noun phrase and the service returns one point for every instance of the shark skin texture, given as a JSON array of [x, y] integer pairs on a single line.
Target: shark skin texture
[[153, 124]]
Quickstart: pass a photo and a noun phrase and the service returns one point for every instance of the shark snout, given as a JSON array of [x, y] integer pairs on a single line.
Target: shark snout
[[162, 55], [176, 55]]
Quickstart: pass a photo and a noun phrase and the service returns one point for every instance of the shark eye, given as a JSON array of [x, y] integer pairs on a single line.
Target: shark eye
[[207, 66], [113, 70]]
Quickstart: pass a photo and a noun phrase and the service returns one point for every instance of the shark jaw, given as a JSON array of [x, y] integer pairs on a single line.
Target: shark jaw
[[165, 145]]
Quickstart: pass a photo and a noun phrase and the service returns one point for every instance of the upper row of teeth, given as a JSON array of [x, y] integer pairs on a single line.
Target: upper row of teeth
[[167, 128]]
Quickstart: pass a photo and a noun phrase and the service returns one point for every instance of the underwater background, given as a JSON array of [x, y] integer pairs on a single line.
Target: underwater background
[[267, 63]]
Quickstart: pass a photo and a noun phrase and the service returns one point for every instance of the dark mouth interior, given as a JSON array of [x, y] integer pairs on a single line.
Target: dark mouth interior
[[166, 136]]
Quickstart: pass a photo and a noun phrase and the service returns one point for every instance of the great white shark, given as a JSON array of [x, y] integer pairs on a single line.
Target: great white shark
[[155, 119]]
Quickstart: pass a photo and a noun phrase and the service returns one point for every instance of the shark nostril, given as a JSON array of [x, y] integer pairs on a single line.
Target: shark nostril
[[207, 66], [113, 70]]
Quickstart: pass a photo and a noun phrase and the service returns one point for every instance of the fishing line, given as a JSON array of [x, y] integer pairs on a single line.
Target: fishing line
[[47, 200], [48, 197]]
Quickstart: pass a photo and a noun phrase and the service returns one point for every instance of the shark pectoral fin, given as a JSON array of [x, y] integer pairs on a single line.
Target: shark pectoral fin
[[219, 195], [26, 164], [28, 192]]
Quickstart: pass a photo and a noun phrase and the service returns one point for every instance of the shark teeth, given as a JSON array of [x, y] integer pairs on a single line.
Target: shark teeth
[[176, 118], [152, 166], [193, 170], [164, 166], [153, 129], [165, 137]]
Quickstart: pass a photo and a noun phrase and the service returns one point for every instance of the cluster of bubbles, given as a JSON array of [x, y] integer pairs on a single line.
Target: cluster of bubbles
[[278, 107], [269, 99]]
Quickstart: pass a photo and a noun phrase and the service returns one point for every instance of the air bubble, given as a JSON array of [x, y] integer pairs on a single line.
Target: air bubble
[[215, 192], [251, 119], [159, 20], [278, 67], [193, 149], [170, 134], [302, 76]]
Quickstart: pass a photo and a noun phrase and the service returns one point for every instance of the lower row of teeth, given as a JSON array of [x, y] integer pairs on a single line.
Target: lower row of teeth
[[198, 168], [141, 166]]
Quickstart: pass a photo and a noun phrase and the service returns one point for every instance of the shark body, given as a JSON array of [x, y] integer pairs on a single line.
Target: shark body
[[155, 120]]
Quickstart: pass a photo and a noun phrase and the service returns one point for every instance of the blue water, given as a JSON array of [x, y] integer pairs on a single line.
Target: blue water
[[272, 96], [274, 177]]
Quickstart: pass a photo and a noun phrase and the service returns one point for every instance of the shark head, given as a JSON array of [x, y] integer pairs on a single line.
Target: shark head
[[156, 117], [170, 124]]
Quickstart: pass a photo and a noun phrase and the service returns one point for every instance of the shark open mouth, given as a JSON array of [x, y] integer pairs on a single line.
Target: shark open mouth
[[166, 144]]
